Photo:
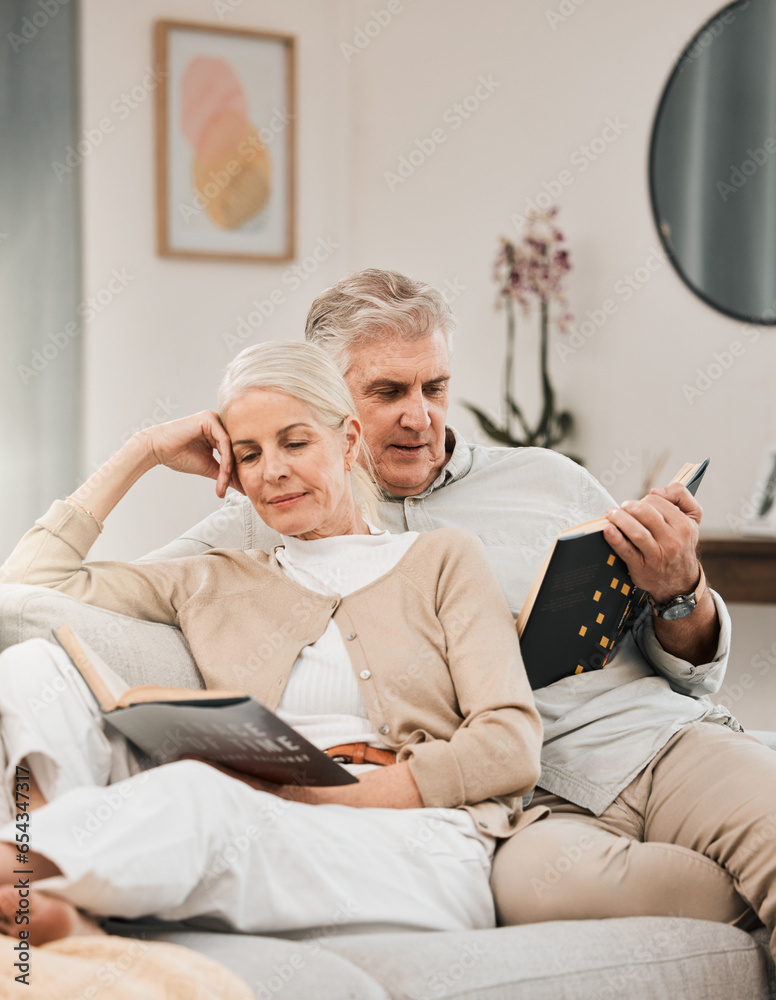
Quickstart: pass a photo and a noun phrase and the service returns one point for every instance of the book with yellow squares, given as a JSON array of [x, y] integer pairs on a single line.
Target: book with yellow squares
[[582, 600]]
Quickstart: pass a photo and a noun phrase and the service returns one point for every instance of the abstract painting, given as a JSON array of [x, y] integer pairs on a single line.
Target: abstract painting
[[225, 132]]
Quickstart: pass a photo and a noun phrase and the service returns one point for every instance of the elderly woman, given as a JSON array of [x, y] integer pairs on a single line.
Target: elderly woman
[[400, 645]]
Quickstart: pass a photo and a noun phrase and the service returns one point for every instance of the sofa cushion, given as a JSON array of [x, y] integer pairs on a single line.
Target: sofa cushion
[[273, 968], [641, 958], [139, 651], [764, 736]]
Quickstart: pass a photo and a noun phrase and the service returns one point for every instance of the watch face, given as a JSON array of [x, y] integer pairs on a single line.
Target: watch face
[[683, 608]]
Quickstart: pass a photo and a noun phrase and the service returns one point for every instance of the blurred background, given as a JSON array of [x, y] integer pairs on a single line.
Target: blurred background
[[557, 100]]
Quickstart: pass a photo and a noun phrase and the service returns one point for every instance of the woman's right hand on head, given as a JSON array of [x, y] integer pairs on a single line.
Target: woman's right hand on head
[[186, 445]]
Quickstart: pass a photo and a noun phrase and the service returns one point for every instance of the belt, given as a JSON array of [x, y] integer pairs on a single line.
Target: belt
[[361, 753]]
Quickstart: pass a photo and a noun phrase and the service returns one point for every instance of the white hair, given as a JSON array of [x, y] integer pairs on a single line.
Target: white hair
[[308, 374], [371, 304]]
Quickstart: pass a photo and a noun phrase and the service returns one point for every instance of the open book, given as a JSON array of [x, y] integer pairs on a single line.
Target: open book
[[582, 600], [226, 727]]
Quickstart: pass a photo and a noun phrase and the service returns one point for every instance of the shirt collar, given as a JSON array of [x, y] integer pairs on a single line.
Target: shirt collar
[[460, 461]]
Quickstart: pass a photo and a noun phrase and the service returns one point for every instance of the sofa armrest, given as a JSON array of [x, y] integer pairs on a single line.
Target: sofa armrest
[[141, 652], [764, 736]]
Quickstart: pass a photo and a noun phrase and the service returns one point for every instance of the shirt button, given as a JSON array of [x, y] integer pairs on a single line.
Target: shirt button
[[385, 729], [334, 604], [411, 502], [351, 635], [365, 675]]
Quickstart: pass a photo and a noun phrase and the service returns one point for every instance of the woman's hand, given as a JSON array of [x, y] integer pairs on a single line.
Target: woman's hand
[[391, 787], [186, 445]]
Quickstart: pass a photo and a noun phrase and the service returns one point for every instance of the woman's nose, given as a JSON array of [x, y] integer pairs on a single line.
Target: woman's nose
[[275, 466]]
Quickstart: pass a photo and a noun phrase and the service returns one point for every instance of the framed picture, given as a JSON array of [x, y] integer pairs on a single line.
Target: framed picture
[[225, 118], [761, 509]]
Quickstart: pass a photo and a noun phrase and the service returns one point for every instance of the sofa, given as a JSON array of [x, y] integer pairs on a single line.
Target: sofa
[[631, 959]]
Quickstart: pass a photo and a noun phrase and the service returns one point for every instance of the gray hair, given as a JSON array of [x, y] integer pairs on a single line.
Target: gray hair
[[308, 374], [370, 303]]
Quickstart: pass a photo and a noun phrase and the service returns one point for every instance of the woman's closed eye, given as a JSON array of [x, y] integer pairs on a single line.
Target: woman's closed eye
[[252, 456]]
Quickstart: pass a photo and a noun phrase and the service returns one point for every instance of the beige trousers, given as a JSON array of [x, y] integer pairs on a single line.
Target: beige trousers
[[693, 835]]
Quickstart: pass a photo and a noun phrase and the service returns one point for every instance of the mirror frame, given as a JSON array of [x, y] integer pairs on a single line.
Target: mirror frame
[[664, 97]]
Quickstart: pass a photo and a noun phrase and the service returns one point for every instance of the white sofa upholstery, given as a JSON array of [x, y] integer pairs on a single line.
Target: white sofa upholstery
[[638, 958]]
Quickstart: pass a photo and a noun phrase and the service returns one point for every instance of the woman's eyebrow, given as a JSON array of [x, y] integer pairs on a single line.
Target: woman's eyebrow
[[291, 427], [280, 433]]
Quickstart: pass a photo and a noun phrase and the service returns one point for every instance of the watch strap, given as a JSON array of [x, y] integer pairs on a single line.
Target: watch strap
[[697, 594]]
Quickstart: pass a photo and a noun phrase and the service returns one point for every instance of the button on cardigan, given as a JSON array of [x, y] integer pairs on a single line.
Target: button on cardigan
[[447, 689], [602, 727]]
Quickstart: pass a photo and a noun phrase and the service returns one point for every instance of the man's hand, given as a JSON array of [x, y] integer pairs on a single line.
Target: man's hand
[[657, 538]]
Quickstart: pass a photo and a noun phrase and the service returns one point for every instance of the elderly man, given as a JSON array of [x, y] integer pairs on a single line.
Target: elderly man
[[630, 751]]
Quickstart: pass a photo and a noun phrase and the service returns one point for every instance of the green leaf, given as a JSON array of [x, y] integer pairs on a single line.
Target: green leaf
[[519, 414], [491, 429]]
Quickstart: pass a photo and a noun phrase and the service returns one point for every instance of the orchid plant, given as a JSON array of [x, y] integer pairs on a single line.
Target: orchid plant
[[526, 272]]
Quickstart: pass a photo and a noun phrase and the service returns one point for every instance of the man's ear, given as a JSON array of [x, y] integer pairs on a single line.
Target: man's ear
[[353, 437]]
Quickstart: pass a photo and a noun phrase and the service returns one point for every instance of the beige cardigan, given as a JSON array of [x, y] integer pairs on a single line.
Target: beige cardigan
[[432, 643]]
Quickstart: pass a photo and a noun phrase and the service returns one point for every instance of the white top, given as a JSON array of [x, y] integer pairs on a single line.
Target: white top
[[601, 727], [321, 699]]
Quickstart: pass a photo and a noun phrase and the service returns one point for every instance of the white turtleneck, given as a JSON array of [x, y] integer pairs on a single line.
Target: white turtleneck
[[321, 699]]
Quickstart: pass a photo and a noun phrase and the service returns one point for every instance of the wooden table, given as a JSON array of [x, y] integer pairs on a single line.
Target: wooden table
[[741, 569]]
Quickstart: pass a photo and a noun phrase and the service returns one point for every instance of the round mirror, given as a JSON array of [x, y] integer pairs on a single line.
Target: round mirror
[[712, 164]]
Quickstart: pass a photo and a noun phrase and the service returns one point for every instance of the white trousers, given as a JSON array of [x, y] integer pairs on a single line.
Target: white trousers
[[185, 842], [49, 715]]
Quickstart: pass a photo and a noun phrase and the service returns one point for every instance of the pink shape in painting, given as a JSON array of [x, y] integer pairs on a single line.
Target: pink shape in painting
[[231, 167]]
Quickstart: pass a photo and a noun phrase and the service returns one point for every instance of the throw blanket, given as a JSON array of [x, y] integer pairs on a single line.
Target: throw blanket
[[116, 968]]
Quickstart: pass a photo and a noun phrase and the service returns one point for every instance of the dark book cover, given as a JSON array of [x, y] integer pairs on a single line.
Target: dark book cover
[[583, 605], [582, 601], [224, 727], [239, 733]]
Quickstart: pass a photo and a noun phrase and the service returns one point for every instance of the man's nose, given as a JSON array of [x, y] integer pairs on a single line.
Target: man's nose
[[415, 413]]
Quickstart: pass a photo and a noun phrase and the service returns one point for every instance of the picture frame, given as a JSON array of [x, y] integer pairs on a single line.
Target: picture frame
[[225, 142], [760, 512]]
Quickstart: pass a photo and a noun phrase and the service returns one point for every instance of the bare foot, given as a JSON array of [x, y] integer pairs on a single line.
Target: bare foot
[[50, 918]]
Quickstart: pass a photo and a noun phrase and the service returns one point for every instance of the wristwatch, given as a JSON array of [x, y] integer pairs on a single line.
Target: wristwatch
[[680, 606]]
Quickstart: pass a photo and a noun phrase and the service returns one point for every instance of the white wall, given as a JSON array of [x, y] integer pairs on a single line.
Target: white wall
[[559, 81], [359, 113], [161, 338], [557, 87]]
